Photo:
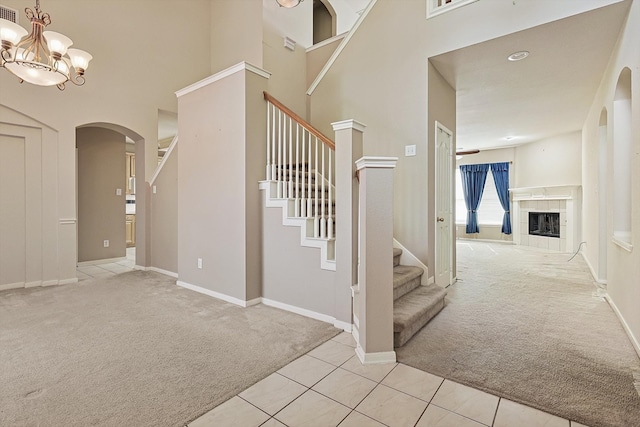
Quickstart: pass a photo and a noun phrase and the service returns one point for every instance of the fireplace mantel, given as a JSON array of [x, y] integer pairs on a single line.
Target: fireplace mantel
[[564, 199], [554, 192]]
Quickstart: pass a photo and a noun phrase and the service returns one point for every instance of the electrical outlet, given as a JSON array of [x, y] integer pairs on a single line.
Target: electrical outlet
[[409, 150], [154, 189], [118, 191], [200, 263], [105, 243]]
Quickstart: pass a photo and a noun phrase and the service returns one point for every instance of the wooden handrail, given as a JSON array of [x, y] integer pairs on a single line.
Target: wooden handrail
[[329, 143]]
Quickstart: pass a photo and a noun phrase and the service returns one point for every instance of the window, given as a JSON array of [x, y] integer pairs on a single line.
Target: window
[[490, 211], [436, 7]]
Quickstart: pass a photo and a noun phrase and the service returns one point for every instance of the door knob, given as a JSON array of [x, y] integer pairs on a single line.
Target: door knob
[[440, 219]]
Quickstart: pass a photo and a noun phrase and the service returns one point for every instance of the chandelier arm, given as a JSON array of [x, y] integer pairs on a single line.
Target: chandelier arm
[[77, 79], [60, 86]]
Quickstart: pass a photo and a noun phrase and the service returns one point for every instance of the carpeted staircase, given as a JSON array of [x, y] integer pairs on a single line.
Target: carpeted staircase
[[414, 305]]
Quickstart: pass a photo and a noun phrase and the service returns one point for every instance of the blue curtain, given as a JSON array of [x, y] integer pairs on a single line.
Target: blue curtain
[[473, 179], [500, 173]]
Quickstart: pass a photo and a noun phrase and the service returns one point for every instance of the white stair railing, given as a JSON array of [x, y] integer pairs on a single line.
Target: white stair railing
[[300, 160]]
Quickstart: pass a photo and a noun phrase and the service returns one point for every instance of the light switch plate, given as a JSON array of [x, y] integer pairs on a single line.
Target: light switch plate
[[409, 150], [118, 191]]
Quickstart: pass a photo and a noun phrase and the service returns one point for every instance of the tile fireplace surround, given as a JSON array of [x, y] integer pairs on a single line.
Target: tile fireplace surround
[[563, 199]]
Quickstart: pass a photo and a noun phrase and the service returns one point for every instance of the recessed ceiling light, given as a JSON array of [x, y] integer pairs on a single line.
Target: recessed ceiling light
[[518, 56]]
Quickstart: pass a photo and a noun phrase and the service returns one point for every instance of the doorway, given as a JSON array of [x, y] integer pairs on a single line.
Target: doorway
[[444, 206]]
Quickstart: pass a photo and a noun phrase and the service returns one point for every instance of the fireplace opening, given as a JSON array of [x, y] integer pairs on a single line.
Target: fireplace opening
[[544, 224]]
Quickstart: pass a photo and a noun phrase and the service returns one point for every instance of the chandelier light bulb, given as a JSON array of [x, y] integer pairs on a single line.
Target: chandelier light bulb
[[288, 3]]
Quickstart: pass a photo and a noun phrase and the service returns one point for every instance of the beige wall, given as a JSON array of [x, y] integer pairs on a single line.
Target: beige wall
[[12, 211], [222, 129], [317, 57], [291, 273], [236, 33], [622, 266], [552, 161], [127, 82], [164, 215], [45, 231], [101, 212], [288, 77]]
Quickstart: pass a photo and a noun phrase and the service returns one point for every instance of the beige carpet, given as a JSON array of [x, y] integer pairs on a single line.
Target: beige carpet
[[135, 350], [522, 323]]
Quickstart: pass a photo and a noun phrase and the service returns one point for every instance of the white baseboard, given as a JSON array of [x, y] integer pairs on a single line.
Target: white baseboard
[[161, 271], [101, 261], [218, 295], [375, 358], [347, 327], [592, 270], [34, 284], [407, 258], [50, 283], [301, 311], [17, 285], [625, 326], [68, 281]]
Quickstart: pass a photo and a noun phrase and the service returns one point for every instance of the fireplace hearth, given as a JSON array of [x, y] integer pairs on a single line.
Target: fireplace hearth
[[544, 224]]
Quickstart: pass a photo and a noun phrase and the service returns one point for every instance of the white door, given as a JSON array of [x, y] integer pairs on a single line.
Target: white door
[[444, 206]]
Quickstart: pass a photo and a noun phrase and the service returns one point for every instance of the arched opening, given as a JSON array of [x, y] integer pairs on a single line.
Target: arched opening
[[622, 155], [110, 201], [324, 21], [603, 159]]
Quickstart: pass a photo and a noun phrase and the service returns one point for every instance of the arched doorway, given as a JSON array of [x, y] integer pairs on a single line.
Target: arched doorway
[[324, 21], [103, 191]]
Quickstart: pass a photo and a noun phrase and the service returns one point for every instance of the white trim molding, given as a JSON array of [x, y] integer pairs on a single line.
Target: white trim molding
[[218, 295], [174, 142], [625, 326], [67, 221], [348, 124], [407, 258], [375, 358], [161, 271], [434, 10], [221, 75], [340, 48], [326, 42], [376, 162]]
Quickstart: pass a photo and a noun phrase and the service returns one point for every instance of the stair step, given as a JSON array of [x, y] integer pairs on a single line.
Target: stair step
[[414, 310], [405, 279], [396, 256]]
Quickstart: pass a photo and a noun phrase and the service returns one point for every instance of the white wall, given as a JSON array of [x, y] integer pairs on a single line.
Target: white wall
[[551, 161], [623, 265]]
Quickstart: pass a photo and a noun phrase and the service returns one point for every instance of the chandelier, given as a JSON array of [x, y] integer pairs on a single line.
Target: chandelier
[[40, 58], [289, 3]]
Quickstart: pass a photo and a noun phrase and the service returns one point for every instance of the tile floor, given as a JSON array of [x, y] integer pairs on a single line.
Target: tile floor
[[99, 271], [329, 387]]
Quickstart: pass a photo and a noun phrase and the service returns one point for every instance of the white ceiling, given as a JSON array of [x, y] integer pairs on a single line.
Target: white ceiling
[[548, 93]]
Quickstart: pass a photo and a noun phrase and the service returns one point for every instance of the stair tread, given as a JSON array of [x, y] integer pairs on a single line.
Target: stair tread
[[404, 273], [411, 306]]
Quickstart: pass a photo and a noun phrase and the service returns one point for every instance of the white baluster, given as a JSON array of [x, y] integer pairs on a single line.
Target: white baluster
[[303, 200], [274, 176], [330, 217], [279, 168], [290, 167], [268, 172], [297, 201], [316, 221], [309, 190], [323, 218]]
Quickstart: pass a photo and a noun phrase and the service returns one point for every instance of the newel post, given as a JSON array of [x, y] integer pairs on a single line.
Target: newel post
[[349, 141], [374, 293]]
